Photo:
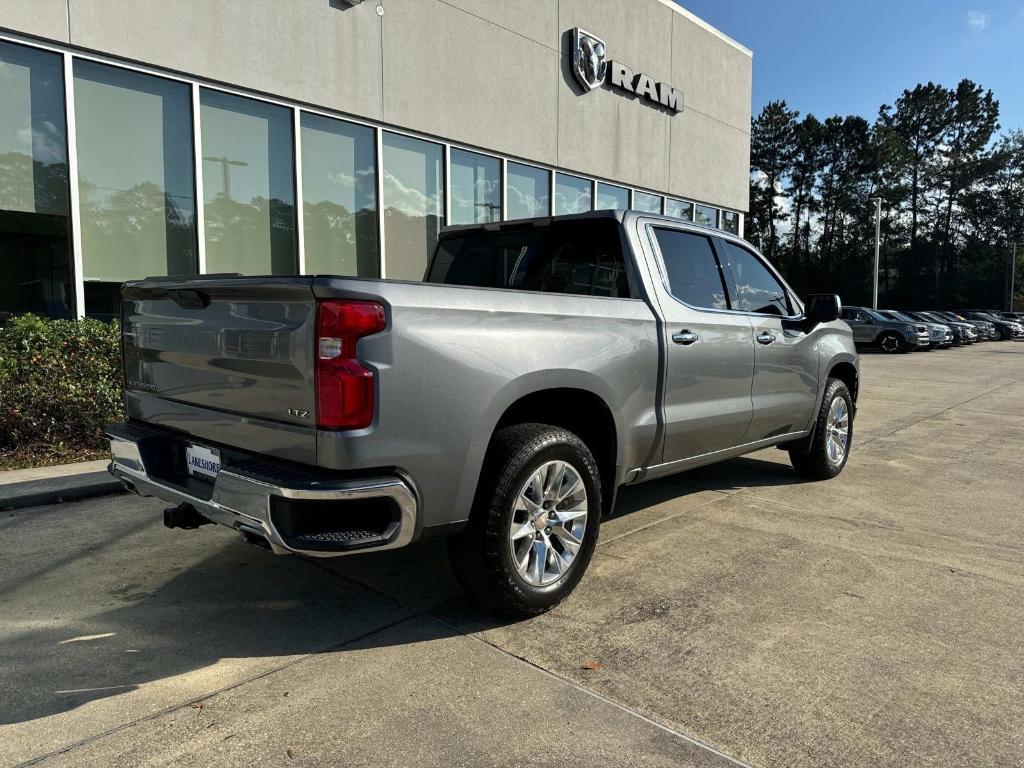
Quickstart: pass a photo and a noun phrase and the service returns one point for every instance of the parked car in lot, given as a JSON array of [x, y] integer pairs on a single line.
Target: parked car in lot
[[501, 403], [963, 333], [1017, 317], [1006, 328], [940, 336], [871, 328], [986, 330]]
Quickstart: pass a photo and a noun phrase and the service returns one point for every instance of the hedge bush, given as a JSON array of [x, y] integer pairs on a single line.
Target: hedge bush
[[60, 385]]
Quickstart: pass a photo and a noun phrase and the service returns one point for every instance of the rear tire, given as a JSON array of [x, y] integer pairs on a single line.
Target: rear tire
[[892, 343], [822, 461], [526, 547]]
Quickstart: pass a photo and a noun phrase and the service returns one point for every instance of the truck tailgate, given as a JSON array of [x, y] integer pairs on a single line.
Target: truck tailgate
[[241, 346]]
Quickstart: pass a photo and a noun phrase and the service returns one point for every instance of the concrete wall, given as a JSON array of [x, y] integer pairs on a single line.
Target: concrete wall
[[489, 73]]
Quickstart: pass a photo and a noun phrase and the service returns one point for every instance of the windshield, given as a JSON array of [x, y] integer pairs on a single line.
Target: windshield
[[900, 316]]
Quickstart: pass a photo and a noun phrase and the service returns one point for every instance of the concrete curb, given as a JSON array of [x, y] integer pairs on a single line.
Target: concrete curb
[[52, 490]]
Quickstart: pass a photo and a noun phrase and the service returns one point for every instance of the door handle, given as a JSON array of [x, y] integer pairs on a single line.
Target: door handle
[[686, 338], [766, 338]]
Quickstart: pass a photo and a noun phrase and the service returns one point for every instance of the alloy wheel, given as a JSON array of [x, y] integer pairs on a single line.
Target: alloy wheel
[[837, 431], [549, 522]]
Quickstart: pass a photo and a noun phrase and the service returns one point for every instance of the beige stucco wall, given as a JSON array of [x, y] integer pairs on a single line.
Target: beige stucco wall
[[487, 73]]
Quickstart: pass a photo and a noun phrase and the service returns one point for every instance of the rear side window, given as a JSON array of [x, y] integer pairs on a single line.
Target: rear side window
[[691, 267], [752, 287], [583, 257]]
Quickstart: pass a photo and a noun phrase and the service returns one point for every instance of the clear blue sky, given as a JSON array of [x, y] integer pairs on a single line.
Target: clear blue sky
[[850, 56]]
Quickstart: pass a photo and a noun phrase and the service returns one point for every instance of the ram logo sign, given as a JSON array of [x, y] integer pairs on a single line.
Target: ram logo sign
[[591, 69]]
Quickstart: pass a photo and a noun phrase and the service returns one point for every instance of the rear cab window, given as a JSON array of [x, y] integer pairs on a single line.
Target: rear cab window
[[582, 257]]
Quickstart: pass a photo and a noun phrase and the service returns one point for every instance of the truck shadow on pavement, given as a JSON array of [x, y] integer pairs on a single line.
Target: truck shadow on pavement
[[167, 617]]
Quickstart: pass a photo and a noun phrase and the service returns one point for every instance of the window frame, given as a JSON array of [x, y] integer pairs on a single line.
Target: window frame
[[636, 290], [717, 248], [653, 239]]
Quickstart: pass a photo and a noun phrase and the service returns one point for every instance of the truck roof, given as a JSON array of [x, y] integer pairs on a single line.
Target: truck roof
[[617, 214]]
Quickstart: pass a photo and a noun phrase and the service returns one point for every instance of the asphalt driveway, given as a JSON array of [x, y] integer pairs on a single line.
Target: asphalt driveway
[[732, 614]]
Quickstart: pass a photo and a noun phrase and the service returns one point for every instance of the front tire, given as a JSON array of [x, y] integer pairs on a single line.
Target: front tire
[[892, 343], [833, 435], [534, 523]]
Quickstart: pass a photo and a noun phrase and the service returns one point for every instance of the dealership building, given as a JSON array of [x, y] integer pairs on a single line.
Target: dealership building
[[338, 136]]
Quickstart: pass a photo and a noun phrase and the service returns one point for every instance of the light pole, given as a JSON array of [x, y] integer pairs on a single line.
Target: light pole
[[878, 247], [1013, 272]]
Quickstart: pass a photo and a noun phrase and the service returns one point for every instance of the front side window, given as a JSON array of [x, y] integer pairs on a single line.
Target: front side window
[[135, 178], [572, 194], [646, 202], [413, 203], [691, 268], [528, 191], [339, 197], [610, 196], [248, 186], [475, 188], [34, 207], [577, 257], [752, 288]]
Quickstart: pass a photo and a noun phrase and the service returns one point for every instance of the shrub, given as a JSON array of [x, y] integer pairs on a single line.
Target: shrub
[[60, 385]]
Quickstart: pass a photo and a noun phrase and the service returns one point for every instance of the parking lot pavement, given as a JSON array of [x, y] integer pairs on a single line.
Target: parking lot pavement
[[871, 620]]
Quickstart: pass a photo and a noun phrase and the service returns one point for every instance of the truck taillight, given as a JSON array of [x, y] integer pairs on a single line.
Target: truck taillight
[[344, 387]]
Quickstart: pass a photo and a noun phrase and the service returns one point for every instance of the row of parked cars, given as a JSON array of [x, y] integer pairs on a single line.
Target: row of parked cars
[[898, 331]]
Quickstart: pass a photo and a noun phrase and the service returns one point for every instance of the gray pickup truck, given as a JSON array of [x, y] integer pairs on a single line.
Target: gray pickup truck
[[540, 366]]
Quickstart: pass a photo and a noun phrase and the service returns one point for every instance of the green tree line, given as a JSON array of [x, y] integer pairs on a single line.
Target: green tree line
[[952, 191]]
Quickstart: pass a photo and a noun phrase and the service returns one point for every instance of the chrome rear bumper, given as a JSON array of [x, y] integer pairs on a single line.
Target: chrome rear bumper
[[244, 498]]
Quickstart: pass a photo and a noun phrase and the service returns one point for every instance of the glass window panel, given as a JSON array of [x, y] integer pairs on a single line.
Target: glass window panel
[[248, 185], [645, 201], [752, 287], [731, 222], [34, 208], [339, 197], [135, 177], [706, 215], [528, 192], [679, 209], [572, 194], [413, 203], [611, 196], [691, 267], [475, 188], [579, 257]]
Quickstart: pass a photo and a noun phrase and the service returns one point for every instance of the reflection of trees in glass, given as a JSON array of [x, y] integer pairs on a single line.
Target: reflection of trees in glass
[[114, 221], [411, 238], [34, 235], [237, 233], [47, 192], [350, 237]]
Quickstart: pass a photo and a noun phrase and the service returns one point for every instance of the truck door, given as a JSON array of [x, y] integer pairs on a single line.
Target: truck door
[[709, 355], [785, 386]]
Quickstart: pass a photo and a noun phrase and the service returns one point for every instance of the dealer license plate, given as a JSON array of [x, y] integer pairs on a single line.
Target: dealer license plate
[[202, 462]]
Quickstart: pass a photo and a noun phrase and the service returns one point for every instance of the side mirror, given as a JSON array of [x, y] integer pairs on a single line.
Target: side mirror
[[823, 308]]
